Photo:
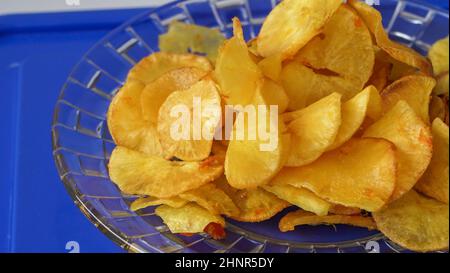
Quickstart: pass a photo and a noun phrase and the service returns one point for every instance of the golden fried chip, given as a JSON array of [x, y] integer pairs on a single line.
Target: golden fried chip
[[156, 92], [415, 222], [437, 108], [157, 64], [270, 93], [213, 199], [313, 130], [343, 210], [190, 38], [366, 103], [442, 86], [413, 140], [144, 202], [439, 56], [434, 182], [137, 173], [255, 205], [235, 71], [300, 218], [344, 47], [300, 197], [126, 122], [373, 20], [415, 90], [271, 67], [381, 70], [360, 174], [188, 119], [190, 218], [292, 24]]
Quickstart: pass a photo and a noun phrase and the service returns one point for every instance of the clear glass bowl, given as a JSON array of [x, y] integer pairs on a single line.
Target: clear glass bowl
[[82, 144]]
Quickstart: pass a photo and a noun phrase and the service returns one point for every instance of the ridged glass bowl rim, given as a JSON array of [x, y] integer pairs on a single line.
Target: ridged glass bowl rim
[[115, 235]]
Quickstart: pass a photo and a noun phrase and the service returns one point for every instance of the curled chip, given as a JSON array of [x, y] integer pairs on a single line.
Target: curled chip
[[189, 38], [442, 85], [292, 24], [437, 108], [381, 70], [301, 218], [271, 66], [263, 145], [366, 103], [235, 71], [270, 93], [156, 92], [300, 197], [415, 222], [191, 218], [313, 130], [344, 47], [415, 90], [157, 64], [434, 182], [144, 202], [439, 56], [213, 199], [373, 20], [413, 141], [126, 122], [137, 173], [188, 119], [360, 174], [255, 205], [343, 210]]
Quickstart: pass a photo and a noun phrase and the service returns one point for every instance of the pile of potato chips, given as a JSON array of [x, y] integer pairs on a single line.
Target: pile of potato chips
[[363, 133]]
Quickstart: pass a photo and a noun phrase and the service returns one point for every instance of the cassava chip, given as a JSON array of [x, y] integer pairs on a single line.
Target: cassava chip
[[300, 197], [360, 174], [343, 47], [434, 182], [190, 218], [301, 218], [373, 20], [157, 64], [271, 66], [437, 108], [213, 199], [144, 202], [415, 222], [343, 210], [413, 141], [439, 56], [189, 38], [137, 173], [415, 90], [313, 130], [188, 119], [270, 93], [292, 24], [381, 70], [156, 92], [126, 122], [255, 205], [442, 85]]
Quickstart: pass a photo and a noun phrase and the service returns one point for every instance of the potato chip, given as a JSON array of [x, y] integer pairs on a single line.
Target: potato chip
[[434, 182], [213, 199], [415, 222], [190, 38], [292, 24], [195, 114], [304, 85], [415, 90], [381, 70], [137, 173], [313, 130], [301, 218], [264, 155], [413, 140], [157, 64], [127, 125], [300, 197], [270, 93], [437, 108], [271, 67], [366, 103], [439, 56], [373, 20], [156, 92], [190, 218], [442, 86], [344, 47], [360, 174], [400, 70], [343, 210], [255, 205], [144, 202], [235, 71]]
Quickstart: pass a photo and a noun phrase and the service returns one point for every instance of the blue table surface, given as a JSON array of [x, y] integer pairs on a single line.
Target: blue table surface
[[37, 53]]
